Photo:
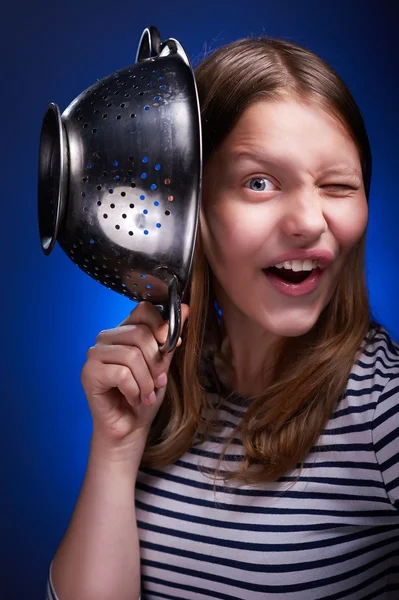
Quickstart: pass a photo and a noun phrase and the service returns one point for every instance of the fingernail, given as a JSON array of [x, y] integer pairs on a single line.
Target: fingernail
[[152, 398], [161, 380]]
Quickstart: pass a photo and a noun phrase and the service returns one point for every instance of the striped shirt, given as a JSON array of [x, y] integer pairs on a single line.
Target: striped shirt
[[334, 533]]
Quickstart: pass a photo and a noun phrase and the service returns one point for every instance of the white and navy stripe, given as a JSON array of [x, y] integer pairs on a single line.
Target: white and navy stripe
[[332, 534]]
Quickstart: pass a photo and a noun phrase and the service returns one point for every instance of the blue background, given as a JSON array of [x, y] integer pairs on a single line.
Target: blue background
[[52, 312]]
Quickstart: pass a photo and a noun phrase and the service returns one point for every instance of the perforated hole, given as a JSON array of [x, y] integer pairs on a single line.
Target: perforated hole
[[119, 173]]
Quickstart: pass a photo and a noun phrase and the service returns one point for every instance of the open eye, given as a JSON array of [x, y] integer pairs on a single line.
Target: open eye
[[257, 184]]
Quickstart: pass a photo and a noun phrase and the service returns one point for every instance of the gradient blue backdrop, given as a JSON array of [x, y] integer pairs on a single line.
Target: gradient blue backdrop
[[52, 311]]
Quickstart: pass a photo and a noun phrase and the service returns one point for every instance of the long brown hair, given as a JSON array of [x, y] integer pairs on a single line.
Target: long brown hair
[[280, 426]]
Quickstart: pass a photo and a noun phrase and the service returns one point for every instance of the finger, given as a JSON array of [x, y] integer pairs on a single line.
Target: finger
[[162, 333], [144, 313], [131, 358], [139, 336], [109, 377]]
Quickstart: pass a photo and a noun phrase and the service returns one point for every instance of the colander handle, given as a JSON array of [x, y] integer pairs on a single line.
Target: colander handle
[[149, 44], [174, 316]]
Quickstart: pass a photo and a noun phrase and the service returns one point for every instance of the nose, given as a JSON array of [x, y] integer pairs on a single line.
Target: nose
[[303, 215]]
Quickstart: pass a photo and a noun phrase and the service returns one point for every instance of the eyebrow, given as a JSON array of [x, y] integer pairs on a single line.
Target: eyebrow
[[261, 158]]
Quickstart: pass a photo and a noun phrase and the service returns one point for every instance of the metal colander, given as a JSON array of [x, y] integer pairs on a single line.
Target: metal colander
[[120, 178]]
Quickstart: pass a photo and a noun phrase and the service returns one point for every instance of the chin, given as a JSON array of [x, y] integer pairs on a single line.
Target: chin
[[291, 326]]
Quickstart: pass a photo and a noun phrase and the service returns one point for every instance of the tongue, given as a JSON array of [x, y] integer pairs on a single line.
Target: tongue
[[289, 275]]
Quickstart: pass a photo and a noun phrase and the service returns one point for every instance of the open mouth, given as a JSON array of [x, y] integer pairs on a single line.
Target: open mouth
[[291, 276]]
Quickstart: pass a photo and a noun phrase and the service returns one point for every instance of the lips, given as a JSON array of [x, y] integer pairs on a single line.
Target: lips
[[309, 285]]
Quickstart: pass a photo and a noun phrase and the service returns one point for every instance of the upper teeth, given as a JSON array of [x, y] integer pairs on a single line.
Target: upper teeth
[[298, 265]]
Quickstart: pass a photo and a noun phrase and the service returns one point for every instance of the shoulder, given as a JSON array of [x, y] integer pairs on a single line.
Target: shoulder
[[384, 353], [381, 358], [377, 364], [381, 349], [374, 376]]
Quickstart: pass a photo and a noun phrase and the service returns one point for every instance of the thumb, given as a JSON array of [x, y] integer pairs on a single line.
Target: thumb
[[162, 332], [185, 311]]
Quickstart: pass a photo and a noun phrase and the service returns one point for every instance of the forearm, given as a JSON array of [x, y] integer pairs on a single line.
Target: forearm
[[99, 556]]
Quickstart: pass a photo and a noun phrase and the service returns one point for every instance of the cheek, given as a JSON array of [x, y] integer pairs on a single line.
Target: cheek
[[230, 232], [349, 227]]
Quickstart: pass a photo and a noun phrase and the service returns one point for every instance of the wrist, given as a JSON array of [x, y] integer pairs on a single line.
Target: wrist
[[128, 451]]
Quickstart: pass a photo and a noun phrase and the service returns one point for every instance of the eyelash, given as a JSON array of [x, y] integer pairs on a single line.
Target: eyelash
[[339, 186]]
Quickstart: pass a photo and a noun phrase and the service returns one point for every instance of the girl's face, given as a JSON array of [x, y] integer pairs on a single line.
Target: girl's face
[[287, 178]]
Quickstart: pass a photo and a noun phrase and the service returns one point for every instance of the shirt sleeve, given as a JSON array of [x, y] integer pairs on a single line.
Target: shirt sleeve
[[385, 433], [50, 594]]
